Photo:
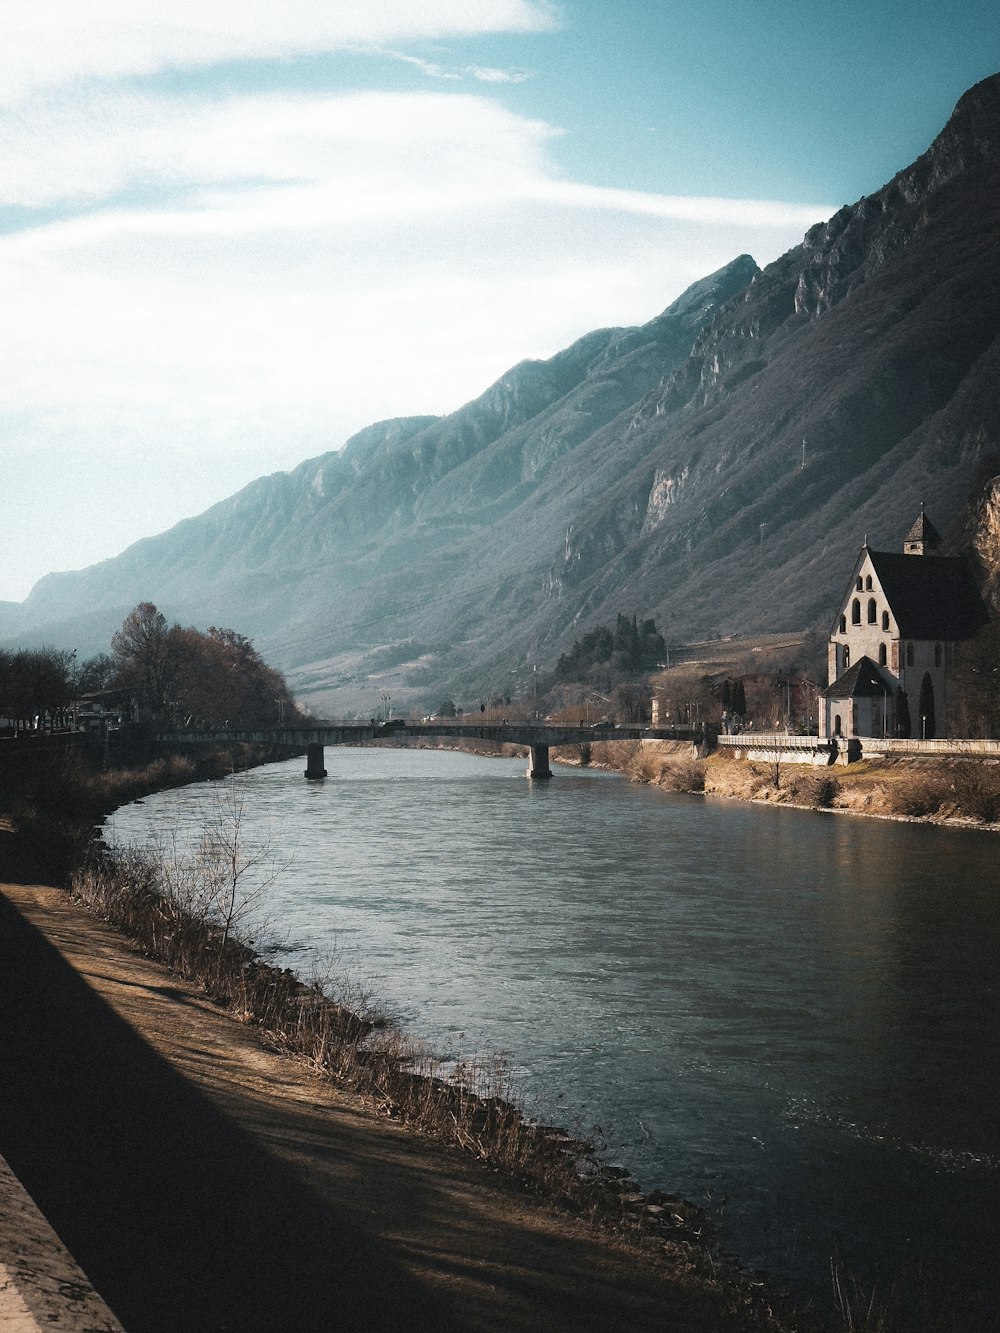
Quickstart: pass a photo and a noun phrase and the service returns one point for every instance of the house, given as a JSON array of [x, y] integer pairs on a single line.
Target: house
[[892, 644]]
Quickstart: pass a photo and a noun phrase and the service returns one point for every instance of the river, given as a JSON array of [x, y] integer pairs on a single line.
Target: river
[[792, 1018]]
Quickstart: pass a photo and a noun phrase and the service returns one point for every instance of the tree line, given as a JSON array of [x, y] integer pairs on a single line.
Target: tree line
[[632, 646], [169, 673]]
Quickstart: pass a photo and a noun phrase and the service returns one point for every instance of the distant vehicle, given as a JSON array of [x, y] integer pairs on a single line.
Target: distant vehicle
[[394, 724], [603, 725]]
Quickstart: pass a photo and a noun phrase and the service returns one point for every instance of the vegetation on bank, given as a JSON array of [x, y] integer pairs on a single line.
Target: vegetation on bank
[[940, 790], [155, 671], [58, 802]]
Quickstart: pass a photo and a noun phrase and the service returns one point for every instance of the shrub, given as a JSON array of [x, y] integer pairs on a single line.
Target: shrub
[[820, 789], [683, 775], [918, 795], [976, 789]]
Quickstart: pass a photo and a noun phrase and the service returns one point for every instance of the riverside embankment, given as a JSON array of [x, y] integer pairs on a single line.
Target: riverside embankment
[[149, 1122], [943, 789]]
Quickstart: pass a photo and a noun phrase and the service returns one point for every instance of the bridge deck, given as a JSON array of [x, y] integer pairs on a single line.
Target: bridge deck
[[509, 733]]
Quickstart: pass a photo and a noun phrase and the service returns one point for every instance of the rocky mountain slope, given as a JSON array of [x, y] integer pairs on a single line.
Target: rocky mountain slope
[[717, 468]]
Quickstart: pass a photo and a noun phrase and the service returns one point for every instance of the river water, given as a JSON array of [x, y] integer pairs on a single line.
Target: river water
[[789, 1017]]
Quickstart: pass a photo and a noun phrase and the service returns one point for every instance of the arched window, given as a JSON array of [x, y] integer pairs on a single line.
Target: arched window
[[883, 655], [843, 624], [859, 585], [855, 612], [909, 654], [847, 657], [836, 724], [872, 611], [937, 654], [885, 621], [868, 583]]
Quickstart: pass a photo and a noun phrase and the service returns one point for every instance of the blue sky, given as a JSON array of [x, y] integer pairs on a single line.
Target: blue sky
[[230, 240]]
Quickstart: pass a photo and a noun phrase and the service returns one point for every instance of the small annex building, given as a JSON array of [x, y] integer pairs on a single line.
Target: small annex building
[[892, 644]]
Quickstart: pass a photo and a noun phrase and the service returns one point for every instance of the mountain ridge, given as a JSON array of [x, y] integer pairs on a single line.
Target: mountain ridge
[[708, 468]]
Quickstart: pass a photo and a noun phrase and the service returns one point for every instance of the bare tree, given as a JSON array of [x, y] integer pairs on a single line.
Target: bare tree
[[141, 650], [236, 870]]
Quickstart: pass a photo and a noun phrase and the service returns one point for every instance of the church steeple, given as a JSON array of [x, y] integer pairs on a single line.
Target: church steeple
[[923, 538]]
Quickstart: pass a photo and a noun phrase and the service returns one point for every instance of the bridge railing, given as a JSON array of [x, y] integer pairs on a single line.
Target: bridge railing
[[513, 733]]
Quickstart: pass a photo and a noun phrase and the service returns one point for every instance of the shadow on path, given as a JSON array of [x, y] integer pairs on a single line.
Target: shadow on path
[[178, 1216]]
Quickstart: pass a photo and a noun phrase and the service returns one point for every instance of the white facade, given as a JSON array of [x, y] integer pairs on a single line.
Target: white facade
[[868, 628]]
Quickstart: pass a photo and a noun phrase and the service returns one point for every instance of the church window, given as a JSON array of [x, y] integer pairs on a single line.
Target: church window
[[836, 724], [909, 654], [855, 612], [883, 655], [937, 654], [847, 657], [868, 583], [885, 621], [843, 624], [872, 611], [859, 585]]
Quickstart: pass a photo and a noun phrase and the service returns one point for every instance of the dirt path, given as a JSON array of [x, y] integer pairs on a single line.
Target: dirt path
[[203, 1183]]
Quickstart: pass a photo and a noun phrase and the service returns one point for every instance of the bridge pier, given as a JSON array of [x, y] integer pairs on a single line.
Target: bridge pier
[[538, 763], [314, 762]]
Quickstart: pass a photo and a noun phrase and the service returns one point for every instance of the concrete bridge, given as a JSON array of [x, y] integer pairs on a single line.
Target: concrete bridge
[[537, 738]]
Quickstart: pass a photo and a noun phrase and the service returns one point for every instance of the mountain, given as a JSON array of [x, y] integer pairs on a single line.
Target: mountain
[[716, 468]]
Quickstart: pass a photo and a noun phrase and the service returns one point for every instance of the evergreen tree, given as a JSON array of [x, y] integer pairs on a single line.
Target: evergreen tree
[[928, 727], [902, 715], [739, 699]]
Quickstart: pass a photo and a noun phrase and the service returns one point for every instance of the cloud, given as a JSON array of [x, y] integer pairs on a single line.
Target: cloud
[[127, 162], [50, 42], [96, 149], [259, 263], [455, 73], [207, 286], [486, 74]]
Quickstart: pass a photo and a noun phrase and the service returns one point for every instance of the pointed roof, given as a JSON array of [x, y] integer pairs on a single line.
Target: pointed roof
[[930, 598], [862, 680], [923, 533]]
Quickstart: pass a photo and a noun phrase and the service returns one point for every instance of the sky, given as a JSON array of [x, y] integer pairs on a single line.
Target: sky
[[234, 232]]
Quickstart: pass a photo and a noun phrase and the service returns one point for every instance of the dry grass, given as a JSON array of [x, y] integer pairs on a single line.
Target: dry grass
[[975, 789], [663, 765], [908, 1306], [813, 787], [683, 774], [920, 795]]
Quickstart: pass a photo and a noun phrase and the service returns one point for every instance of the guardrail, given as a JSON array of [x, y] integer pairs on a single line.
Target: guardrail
[[954, 747], [769, 744], [786, 740]]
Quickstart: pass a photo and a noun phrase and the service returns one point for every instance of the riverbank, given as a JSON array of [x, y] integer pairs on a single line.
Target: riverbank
[[958, 793], [460, 1244]]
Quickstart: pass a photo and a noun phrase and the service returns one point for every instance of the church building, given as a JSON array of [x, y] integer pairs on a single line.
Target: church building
[[892, 644]]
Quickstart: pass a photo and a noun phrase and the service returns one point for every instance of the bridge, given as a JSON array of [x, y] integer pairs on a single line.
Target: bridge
[[537, 738]]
